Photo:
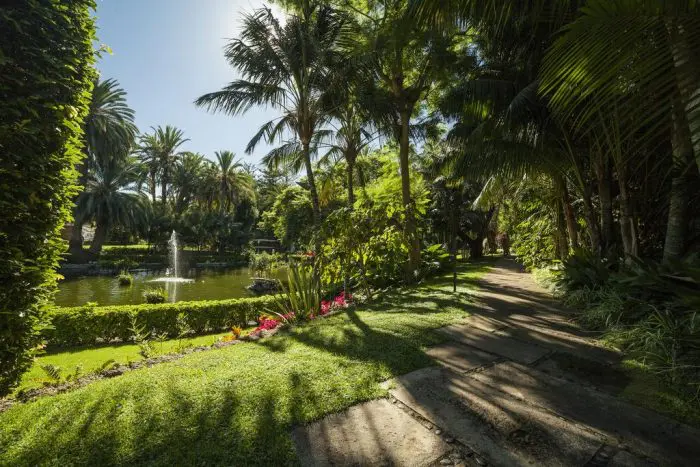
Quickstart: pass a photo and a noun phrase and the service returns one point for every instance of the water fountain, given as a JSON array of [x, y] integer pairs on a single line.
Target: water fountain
[[173, 272]]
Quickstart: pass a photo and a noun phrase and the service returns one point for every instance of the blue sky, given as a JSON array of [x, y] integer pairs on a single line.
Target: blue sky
[[166, 53]]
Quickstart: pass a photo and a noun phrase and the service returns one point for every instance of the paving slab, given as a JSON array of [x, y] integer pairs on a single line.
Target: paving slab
[[498, 344], [374, 433], [504, 430], [460, 357], [646, 432], [561, 342], [485, 323]]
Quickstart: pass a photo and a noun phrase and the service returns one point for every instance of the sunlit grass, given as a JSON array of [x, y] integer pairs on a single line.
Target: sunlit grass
[[89, 359], [236, 405]]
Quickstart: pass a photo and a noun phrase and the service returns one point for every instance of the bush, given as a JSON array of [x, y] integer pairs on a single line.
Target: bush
[[125, 279], [46, 67], [263, 264], [155, 295], [585, 269], [94, 324]]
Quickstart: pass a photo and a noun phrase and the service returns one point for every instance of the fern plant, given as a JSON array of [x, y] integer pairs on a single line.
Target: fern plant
[[54, 372]]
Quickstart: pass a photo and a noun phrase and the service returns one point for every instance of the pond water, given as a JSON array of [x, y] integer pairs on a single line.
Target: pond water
[[206, 284]]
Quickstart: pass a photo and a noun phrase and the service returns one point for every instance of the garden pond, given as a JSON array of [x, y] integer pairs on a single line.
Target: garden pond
[[204, 284]]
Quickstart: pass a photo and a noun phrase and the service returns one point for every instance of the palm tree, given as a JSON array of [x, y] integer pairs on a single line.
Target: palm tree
[[159, 151], [347, 141], [187, 179], [109, 128], [235, 183], [110, 198], [404, 59], [284, 66], [648, 81]]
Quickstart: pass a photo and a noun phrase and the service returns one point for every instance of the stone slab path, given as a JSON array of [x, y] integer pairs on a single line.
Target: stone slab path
[[508, 391]]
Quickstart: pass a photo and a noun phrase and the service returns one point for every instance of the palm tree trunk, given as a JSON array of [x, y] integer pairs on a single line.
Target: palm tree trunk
[[312, 183], [562, 240], [676, 228], [152, 186], [99, 239], [605, 195], [163, 188], [571, 225], [591, 220], [414, 245], [350, 175], [628, 226]]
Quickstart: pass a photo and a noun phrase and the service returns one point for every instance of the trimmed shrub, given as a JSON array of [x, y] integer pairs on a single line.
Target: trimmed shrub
[[93, 324], [46, 58]]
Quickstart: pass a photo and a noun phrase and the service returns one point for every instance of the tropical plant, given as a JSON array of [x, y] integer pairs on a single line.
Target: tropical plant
[[404, 59], [301, 297], [109, 128], [234, 183], [285, 66], [110, 198], [46, 98], [159, 153]]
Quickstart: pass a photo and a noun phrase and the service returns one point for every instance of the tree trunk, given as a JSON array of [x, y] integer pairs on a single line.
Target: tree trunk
[[75, 244], [414, 245], [562, 240], [350, 175], [312, 183], [571, 224], [676, 228], [152, 186], [99, 239], [605, 195], [593, 227], [628, 226], [476, 247], [163, 188]]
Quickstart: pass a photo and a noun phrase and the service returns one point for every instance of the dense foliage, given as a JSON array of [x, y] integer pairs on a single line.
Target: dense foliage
[[44, 98]]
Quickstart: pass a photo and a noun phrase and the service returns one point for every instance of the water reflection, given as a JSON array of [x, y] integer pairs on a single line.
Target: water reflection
[[204, 284]]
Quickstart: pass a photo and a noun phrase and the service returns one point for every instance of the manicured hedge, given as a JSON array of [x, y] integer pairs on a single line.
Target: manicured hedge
[[46, 74], [93, 324]]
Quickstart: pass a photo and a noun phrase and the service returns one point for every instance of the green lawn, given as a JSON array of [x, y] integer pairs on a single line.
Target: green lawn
[[236, 405], [93, 358]]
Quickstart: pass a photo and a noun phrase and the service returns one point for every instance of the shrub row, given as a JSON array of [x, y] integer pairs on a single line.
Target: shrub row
[[92, 324]]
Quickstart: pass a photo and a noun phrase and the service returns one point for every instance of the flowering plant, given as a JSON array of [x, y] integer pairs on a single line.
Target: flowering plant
[[340, 301]]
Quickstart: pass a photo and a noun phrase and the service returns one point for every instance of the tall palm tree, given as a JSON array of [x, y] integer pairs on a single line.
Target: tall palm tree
[[284, 66], [350, 136], [159, 150], [404, 58], [110, 198], [235, 183], [109, 129]]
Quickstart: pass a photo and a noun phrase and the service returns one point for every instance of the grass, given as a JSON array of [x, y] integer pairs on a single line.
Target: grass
[[93, 358], [648, 389], [236, 405]]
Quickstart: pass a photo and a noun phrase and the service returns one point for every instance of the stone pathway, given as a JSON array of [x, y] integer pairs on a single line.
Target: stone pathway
[[517, 384]]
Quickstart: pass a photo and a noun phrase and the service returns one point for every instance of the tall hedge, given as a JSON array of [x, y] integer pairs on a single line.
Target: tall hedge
[[46, 74]]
